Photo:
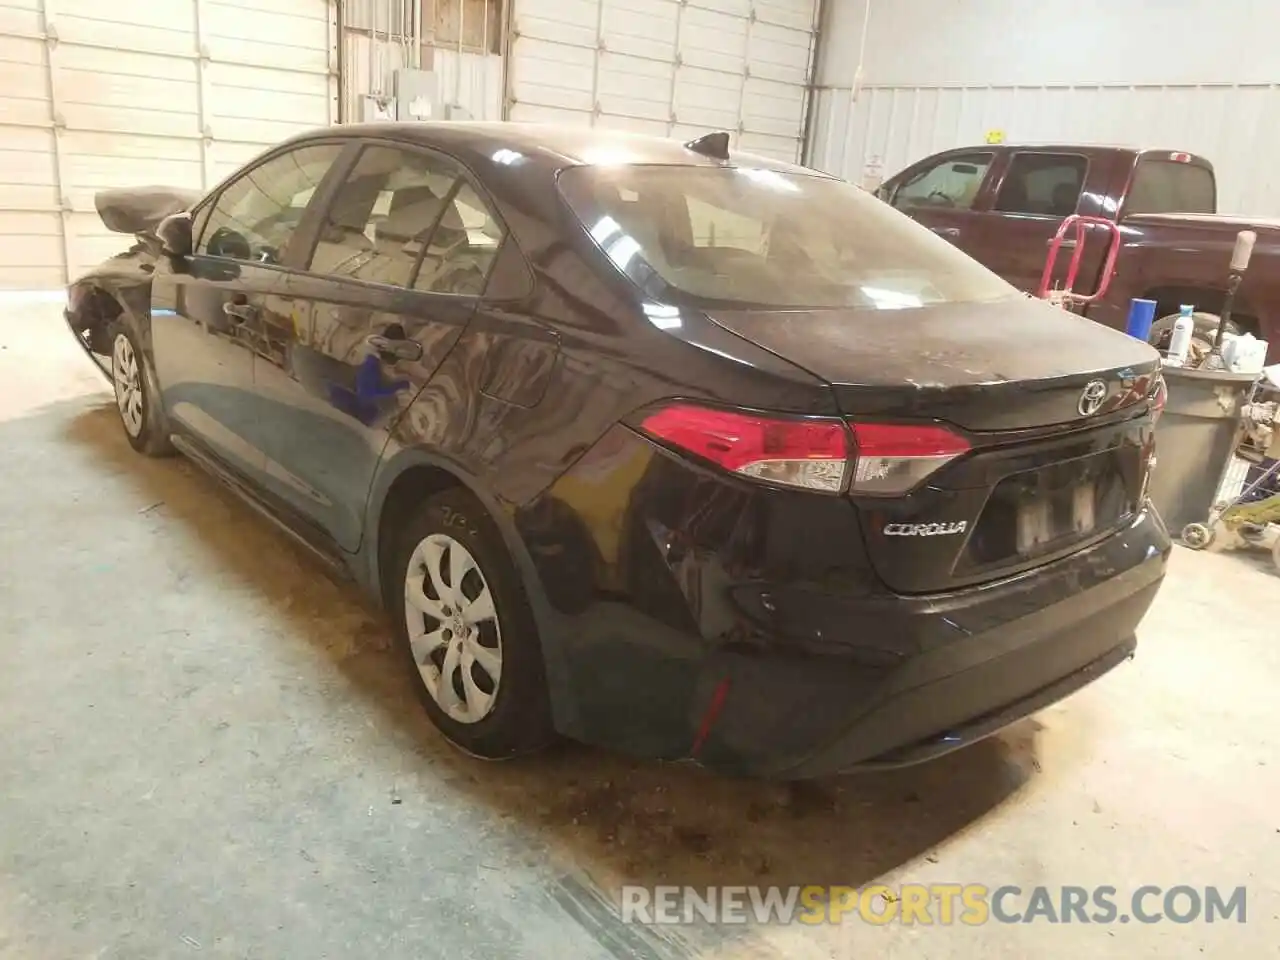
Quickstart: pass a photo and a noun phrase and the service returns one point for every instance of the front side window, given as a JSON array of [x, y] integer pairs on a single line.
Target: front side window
[[757, 237], [402, 214], [950, 185], [255, 217], [1045, 184]]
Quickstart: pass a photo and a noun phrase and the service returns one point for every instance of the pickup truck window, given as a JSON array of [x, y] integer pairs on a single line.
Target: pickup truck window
[[1045, 184], [1166, 186], [761, 238], [952, 184]]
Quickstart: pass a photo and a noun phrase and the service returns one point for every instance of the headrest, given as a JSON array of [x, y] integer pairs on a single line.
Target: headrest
[[413, 210], [408, 197], [1064, 198]]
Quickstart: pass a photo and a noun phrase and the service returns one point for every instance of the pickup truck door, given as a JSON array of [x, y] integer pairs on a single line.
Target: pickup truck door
[[1031, 193], [943, 192]]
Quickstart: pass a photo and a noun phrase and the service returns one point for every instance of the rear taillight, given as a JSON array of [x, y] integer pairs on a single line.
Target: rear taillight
[[893, 458], [811, 453]]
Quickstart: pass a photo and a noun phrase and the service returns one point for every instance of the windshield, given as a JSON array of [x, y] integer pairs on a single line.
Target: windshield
[[756, 237]]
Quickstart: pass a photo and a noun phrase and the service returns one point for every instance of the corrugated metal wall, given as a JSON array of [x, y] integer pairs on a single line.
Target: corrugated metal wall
[[178, 92], [1230, 124], [675, 68], [935, 74]]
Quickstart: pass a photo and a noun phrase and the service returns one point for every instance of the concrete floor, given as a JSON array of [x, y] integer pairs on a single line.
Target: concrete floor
[[206, 749]]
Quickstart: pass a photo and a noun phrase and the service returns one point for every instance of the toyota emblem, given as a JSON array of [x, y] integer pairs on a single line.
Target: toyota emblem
[[1095, 392]]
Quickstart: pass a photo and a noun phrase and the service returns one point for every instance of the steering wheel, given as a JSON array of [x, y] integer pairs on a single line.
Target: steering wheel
[[942, 199]]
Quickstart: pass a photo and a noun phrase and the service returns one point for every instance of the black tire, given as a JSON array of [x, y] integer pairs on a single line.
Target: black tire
[[149, 433], [1206, 329], [519, 720]]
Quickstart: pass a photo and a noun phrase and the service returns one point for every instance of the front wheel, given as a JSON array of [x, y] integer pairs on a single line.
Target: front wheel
[[465, 628], [136, 393]]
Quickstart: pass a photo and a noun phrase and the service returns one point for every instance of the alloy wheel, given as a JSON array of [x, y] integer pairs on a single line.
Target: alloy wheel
[[127, 380], [453, 628]]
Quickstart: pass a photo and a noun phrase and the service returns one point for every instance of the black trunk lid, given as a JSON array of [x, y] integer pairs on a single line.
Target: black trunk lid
[[1055, 409], [1008, 365]]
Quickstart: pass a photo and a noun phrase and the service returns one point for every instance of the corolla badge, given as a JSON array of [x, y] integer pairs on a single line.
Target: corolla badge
[[1095, 391], [925, 529]]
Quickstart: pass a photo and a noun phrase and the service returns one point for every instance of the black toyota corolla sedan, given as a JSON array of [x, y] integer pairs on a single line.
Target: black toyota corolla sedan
[[654, 445]]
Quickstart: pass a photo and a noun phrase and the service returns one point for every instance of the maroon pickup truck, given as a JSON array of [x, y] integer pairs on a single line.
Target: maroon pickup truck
[[1003, 204]]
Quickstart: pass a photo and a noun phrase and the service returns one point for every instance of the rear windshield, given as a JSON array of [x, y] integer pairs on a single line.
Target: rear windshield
[[755, 237], [1166, 186]]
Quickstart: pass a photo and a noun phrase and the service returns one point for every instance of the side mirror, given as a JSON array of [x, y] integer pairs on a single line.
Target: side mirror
[[175, 235]]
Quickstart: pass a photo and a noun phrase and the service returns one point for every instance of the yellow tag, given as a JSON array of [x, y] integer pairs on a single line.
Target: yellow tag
[[995, 136]]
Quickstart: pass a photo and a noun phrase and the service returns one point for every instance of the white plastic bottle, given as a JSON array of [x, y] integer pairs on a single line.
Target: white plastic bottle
[[1180, 339]]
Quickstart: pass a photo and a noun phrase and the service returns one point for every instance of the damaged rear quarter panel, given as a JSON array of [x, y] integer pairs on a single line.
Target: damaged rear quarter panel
[[119, 287]]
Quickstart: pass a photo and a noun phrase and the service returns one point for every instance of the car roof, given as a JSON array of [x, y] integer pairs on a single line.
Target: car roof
[[555, 145], [1080, 149], [1076, 148]]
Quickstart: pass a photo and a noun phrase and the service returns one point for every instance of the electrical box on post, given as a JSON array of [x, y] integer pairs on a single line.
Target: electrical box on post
[[418, 95]]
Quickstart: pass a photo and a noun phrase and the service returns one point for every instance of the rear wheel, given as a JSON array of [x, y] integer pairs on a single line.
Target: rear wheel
[[134, 384], [465, 628]]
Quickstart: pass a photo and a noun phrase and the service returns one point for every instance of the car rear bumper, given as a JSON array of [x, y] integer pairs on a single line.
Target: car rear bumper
[[986, 724], [694, 618], [1013, 649]]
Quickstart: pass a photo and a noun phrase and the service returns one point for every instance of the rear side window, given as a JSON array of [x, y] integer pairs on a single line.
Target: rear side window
[[382, 216], [1045, 184], [1166, 186], [763, 238], [406, 218], [462, 248]]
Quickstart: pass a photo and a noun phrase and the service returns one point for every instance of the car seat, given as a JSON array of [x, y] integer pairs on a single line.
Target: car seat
[[397, 244], [342, 244], [1065, 196], [450, 263]]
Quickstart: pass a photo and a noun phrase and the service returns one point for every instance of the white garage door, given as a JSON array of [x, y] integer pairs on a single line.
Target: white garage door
[[667, 67], [111, 93]]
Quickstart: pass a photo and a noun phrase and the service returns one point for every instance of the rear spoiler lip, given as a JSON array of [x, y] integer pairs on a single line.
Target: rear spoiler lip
[[139, 210]]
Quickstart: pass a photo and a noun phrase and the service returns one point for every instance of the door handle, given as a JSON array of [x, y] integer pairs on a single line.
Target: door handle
[[949, 232], [239, 312], [397, 348]]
